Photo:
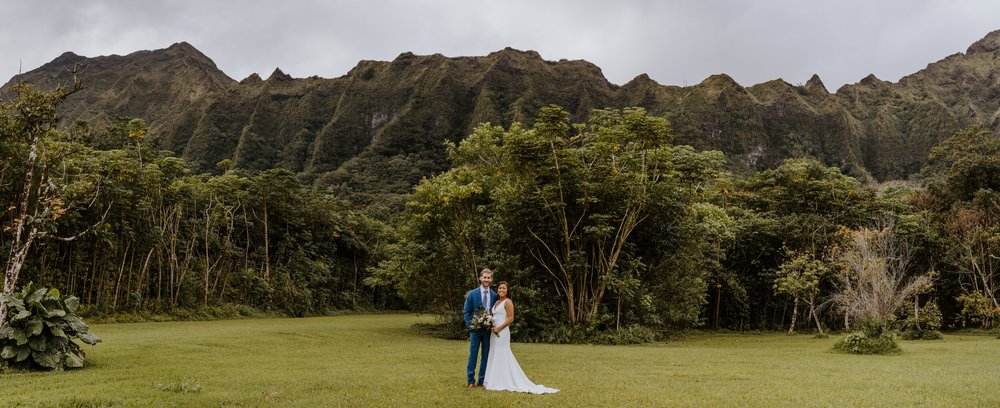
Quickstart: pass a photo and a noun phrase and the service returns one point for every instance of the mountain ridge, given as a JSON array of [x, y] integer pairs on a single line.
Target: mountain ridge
[[337, 130]]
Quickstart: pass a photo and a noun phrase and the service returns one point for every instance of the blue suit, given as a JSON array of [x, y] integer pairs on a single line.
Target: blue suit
[[478, 339]]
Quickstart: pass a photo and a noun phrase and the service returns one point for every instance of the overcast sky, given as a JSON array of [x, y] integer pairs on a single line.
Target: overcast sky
[[675, 42]]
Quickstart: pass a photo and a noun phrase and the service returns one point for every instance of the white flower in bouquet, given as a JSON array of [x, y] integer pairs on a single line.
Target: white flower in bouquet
[[482, 320]]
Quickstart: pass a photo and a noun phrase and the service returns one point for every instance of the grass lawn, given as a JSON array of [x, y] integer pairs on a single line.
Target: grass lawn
[[377, 360]]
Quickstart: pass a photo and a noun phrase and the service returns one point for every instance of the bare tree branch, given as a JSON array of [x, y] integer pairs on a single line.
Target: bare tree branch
[[104, 217]]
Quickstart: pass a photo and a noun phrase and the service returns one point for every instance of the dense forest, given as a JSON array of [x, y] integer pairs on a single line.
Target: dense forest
[[606, 229]]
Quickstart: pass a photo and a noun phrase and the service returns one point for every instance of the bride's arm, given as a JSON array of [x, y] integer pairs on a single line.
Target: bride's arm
[[510, 312]]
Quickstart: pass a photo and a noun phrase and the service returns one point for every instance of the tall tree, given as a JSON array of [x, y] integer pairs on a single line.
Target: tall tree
[[962, 177], [43, 170], [801, 207], [567, 206], [800, 278]]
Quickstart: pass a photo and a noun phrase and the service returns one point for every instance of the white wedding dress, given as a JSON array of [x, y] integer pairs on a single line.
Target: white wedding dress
[[502, 371]]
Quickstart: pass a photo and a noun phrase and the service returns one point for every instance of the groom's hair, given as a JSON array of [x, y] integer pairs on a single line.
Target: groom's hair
[[485, 270]]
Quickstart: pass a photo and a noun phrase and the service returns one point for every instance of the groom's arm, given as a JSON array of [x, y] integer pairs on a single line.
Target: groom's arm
[[468, 312]]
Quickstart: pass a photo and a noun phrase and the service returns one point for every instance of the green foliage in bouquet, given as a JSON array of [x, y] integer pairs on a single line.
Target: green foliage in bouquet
[[40, 329], [482, 320]]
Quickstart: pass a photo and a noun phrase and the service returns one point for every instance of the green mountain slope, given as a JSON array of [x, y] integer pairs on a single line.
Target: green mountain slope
[[380, 126]]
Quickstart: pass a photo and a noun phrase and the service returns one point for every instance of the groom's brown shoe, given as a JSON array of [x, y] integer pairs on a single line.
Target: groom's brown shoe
[[472, 385]]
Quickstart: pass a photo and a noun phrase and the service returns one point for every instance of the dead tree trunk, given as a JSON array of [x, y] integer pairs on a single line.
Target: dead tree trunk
[[22, 238]]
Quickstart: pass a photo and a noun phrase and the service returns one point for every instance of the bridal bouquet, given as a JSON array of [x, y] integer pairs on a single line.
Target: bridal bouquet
[[482, 320]]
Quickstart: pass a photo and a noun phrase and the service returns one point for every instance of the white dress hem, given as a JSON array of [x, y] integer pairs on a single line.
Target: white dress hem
[[503, 373]]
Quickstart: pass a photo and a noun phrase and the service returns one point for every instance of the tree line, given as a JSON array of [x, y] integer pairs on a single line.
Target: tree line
[[101, 213], [601, 227]]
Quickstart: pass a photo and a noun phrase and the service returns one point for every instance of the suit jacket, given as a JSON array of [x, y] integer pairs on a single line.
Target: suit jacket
[[474, 301]]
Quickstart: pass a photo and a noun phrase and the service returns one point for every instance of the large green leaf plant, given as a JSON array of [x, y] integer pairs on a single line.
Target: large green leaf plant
[[40, 328]]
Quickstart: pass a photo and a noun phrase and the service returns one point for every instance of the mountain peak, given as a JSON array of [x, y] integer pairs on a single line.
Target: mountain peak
[[642, 78], [279, 75], [184, 49], [814, 83], [404, 56], [641, 81], [989, 43], [182, 46], [251, 79], [531, 54], [871, 79], [720, 81], [68, 56]]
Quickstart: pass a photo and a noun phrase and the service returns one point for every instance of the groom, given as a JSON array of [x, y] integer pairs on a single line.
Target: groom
[[481, 297]]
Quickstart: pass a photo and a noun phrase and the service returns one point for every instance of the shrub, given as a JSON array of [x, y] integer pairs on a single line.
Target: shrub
[[449, 326], [565, 334], [630, 335], [452, 326], [914, 334], [924, 327], [978, 309], [40, 329], [562, 334], [875, 337]]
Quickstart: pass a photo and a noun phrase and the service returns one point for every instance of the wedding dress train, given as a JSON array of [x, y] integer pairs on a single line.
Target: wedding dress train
[[502, 371]]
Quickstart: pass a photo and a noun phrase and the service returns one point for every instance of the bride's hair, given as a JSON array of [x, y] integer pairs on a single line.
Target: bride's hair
[[505, 284]]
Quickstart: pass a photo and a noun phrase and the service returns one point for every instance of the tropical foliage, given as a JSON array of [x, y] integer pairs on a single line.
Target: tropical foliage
[[963, 195], [40, 330], [608, 231], [602, 224], [101, 213]]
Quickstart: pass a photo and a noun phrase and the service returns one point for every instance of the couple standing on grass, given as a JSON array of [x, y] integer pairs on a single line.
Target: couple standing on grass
[[498, 369]]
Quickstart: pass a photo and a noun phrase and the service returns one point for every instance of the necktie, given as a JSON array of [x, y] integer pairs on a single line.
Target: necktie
[[485, 300]]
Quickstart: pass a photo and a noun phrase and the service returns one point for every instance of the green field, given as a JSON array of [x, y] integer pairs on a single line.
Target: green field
[[377, 360]]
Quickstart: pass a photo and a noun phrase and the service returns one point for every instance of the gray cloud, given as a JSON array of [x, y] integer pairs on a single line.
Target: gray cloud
[[675, 42]]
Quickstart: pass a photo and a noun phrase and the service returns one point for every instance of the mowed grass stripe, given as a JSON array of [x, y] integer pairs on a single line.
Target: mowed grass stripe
[[377, 360]]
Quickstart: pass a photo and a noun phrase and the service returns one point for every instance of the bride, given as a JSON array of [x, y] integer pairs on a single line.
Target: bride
[[502, 370]]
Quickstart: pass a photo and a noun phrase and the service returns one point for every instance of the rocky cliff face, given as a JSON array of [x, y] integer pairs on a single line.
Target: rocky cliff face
[[160, 86], [392, 116]]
